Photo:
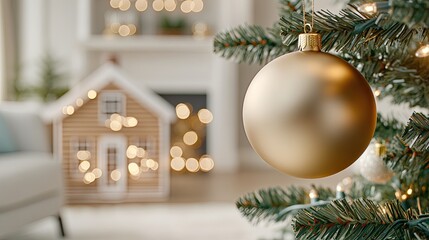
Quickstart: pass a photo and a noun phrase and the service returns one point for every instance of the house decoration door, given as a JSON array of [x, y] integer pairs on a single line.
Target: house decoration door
[[112, 162]]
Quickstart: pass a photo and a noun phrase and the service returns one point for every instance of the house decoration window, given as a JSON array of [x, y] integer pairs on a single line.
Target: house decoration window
[[82, 154], [111, 103]]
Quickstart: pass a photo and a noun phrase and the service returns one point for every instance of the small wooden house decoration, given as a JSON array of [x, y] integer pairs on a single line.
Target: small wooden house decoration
[[113, 138]]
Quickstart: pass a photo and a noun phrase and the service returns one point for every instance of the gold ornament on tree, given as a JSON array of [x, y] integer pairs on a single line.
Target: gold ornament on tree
[[308, 113]]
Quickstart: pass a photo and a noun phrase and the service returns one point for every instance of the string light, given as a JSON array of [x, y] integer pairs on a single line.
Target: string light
[[132, 151], [97, 172], [124, 30], [84, 166], [423, 51], [190, 138], [377, 93], [410, 191], [79, 102], [176, 151], [158, 5], [404, 196], [89, 178], [115, 3], [124, 5], [170, 5], [205, 116], [178, 164], [182, 111], [70, 110], [206, 163], [368, 8], [141, 5], [192, 165], [134, 169], [92, 94], [198, 6], [83, 155], [187, 6], [115, 175]]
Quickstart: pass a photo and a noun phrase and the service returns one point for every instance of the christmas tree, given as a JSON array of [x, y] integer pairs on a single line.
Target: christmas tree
[[388, 42]]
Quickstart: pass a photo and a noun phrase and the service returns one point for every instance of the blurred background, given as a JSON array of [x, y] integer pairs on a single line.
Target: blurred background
[[50, 47]]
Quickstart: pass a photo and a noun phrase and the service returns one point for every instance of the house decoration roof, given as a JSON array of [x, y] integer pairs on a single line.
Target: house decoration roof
[[106, 74]]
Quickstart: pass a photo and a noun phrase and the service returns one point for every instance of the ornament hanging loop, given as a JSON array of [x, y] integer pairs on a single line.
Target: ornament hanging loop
[[308, 28]]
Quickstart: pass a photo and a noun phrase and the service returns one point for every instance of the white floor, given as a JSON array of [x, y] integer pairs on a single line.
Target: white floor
[[201, 207], [202, 221]]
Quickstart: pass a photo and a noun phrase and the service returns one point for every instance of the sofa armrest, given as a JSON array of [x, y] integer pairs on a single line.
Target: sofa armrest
[[28, 130]]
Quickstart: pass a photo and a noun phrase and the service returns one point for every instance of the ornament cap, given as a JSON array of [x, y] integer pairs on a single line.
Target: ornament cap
[[309, 42]]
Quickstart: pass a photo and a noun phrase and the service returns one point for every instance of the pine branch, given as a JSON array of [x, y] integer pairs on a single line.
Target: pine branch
[[416, 134], [266, 204], [250, 44], [414, 13], [360, 219], [407, 164], [350, 30], [387, 129]]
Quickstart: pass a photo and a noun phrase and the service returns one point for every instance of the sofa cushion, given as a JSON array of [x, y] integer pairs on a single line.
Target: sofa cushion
[[26, 177], [7, 142]]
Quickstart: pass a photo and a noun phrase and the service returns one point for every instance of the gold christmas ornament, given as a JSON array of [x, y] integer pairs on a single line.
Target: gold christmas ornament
[[309, 114]]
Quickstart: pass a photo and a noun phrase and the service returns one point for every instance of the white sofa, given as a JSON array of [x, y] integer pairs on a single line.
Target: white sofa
[[31, 184]]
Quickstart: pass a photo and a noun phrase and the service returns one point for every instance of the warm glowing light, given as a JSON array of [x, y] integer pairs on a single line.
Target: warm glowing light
[[141, 153], [141, 5], [115, 126], [182, 111], [206, 163], [313, 194], [114, 27], [131, 121], [404, 196], [124, 30], [158, 5], [84, 166], [198, 6], [115, 117], [79, 102], [339, 188], [92, 94], [97, 172], [192, 165], [70, 110], [187, 6], [423, 51], [398, 194], [155, 166], [170, 5], [83, 155], [133, 29], [115, 3], [410, 191], [150, 163], [115, 175], [89, 178], [134, 169], [369, 8], [205, 116], [176, 151], [190, 138], [64, 110], [377, 93], [124, 5], [178, 164], [132, 151]]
